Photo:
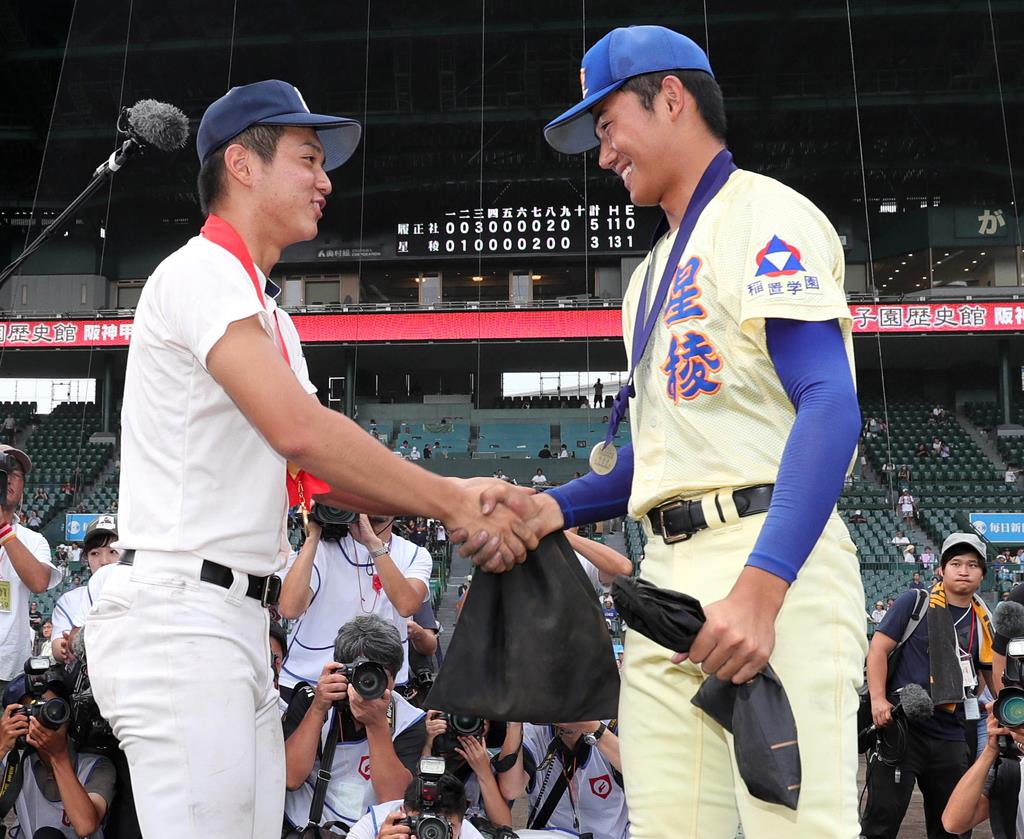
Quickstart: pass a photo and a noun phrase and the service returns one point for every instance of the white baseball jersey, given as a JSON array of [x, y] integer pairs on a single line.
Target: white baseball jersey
[[709, 410], [350, 791], [343, 588]]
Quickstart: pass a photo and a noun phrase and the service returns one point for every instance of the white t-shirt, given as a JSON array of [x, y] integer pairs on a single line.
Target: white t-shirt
[[369, 825], [73, 606], [195, 475], [592, 572], [342, 589], [15, 633], [600, 801]]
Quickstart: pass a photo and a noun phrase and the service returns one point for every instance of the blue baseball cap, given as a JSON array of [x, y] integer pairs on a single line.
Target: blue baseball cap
[[619, 56], [274, 102]]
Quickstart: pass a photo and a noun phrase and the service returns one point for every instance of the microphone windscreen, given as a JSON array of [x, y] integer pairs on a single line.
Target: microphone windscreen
[[917, 705], [1008, 619], [159, 124]]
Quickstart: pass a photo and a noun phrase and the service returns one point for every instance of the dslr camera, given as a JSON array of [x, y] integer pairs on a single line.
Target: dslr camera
[[429, 824], [334, 522], [369, 678], [459, 725], [40, 675], [1009, 705]]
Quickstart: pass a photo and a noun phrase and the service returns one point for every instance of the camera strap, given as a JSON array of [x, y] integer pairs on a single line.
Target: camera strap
[[538, 819], [14, 776], [323, 775]]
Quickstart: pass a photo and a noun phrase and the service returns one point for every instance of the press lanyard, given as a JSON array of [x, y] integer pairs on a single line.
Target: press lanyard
[[970, 636], [221, 233], [711, 182]]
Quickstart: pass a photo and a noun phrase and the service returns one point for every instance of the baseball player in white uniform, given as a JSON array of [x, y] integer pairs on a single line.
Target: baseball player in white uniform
[[219, 429], [744, 421]]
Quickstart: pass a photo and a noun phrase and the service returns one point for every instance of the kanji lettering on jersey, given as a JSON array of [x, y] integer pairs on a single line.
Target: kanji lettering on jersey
[[778, 259], [683, 293], [690, 362]]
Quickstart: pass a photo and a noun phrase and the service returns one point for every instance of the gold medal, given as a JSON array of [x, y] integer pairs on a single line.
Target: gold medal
[[603, 457]]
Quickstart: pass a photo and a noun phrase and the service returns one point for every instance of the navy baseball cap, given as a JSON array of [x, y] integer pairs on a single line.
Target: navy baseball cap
[[619, 56], [274, 102]]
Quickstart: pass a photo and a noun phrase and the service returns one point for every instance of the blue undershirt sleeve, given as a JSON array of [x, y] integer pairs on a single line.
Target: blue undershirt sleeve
[[810, 359], [597, 497]]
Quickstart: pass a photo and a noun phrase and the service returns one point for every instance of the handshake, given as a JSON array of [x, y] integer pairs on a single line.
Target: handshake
[[496, 523]]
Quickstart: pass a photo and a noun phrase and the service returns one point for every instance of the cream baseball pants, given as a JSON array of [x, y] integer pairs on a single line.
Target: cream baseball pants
[[679, 768], [181, 670]]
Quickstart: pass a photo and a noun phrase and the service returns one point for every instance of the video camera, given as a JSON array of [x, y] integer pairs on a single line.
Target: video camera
[[459, 725], [335, 522], [1009, 705], [429, 823]]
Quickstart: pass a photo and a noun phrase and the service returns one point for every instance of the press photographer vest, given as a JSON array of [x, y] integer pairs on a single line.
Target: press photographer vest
[[35, 810], [350, 792]]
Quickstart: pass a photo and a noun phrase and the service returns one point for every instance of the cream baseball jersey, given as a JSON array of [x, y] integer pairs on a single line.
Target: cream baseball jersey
[[709, 410]]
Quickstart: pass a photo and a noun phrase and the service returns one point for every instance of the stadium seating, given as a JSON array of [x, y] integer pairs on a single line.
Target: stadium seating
[[507, 439], [583, 436]]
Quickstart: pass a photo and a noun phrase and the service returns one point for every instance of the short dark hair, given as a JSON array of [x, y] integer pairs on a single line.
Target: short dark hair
[[451, 796], [261, 139], [702, 87], [958, 550], [373, 637]]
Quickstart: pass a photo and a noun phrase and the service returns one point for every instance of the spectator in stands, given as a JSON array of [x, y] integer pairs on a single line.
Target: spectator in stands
[[380, 821], [336, 576], [41, 495], [34, 521], [936, 446], [936, 754], [890, 603], [373, 427], [1010, 476], [73, 606], [917, 584], [404, 448], [44, 641], [871, 427], [10, 429], [61, 790], [938, 415], [586, 754], [598, 394], [944, 452], [414, 454], [900, 540], [903, 473], [25, 569], [922, 450], [539, 478], [563, 452], [878, 613], [907, 506], [545, 451], [380, 739], [857, 517], [927, 558], [427, 452], [1019, 556], [909, 554]]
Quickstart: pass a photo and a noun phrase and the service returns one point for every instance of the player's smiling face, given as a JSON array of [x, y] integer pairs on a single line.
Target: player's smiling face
[[630, 142]]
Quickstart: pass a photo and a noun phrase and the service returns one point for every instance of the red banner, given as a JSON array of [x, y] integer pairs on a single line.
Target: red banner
[[523, 324]]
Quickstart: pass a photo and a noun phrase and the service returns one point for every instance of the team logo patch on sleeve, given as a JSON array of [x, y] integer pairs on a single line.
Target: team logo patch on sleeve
[[778, 259]]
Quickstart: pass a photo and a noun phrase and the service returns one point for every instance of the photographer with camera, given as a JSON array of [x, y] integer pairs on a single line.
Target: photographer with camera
[[58, 789], [25, 566], [378, 734], [944, 641], [434, 807], [349, 565], [72, 607], [462, 741], [572, 773]]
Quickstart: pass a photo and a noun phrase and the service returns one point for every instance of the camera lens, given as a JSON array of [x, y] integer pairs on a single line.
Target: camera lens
[[1009, 707], [370, 680], [467, 726], [431, 827], [54, 713]]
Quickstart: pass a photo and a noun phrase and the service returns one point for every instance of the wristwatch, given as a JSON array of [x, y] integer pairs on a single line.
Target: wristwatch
[[591, 738], [383, 549]]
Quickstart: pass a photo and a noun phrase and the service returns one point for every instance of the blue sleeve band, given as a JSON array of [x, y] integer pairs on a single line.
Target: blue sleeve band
[[810, 359], [597, 497]]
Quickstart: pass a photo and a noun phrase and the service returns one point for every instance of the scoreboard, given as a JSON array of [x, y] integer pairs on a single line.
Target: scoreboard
[[548, 230]]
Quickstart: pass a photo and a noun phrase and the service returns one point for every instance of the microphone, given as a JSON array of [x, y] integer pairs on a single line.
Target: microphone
[[915, 706], [1008, 620], [147, 124]]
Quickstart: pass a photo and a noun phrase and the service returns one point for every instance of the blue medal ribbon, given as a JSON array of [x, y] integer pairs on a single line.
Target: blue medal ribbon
[[713, 179]]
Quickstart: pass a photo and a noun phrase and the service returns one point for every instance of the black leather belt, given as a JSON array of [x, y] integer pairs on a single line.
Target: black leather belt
[[265, 589], [677, 520]]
